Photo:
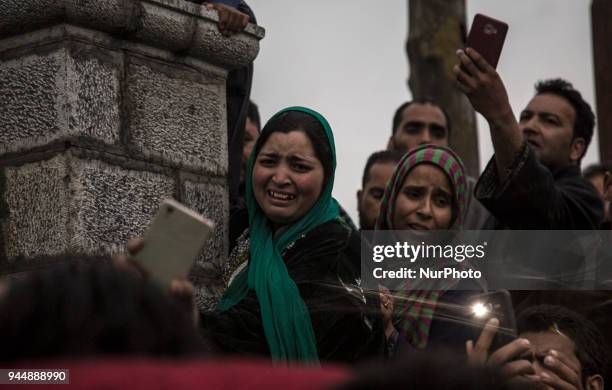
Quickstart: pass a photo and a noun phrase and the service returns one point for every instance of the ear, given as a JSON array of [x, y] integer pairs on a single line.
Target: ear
[[594, 382], [577, 149], [391, 144], [359, 197]]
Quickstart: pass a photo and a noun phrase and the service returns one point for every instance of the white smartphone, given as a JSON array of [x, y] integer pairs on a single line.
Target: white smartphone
[[173, 241]]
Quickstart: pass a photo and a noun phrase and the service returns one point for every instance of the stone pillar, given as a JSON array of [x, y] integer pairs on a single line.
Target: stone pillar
[[107, 107]]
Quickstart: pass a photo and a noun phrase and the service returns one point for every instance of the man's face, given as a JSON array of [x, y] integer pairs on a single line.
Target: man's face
[[547, 123], [368, 198], [566, 363], [420, 124]]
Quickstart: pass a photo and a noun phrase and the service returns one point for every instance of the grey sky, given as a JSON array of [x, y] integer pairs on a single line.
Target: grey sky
[[346, 59]]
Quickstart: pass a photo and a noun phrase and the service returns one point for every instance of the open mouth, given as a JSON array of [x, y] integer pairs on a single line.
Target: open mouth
[[279, 195], [417, 226]]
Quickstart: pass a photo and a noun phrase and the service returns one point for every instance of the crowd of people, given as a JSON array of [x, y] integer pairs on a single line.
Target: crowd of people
[[292, 280]]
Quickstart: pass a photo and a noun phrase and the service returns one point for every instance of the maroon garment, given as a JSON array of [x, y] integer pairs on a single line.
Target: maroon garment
[[150, 374]]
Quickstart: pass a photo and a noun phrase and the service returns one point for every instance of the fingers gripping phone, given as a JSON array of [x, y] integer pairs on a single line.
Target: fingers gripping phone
[[173, 241], [496, 304], [487, 37]]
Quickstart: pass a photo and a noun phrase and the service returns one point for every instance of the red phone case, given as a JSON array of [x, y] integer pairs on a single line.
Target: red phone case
[[487, 37]]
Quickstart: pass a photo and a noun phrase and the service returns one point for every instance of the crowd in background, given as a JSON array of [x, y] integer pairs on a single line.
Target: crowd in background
[[292, 282]]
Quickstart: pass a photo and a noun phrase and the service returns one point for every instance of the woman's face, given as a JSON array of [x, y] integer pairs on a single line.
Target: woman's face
[[425, 200], [287, 177]]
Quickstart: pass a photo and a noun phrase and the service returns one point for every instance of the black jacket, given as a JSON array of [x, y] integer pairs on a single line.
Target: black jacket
[[346, 320], [532, 197]]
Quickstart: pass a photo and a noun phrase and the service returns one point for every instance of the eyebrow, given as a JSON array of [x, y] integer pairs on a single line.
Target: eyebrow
[[432, 125], [447, 193], [292, 158], [269, 154], [542, 114], [550, 114], [300, 158], [435, 189]]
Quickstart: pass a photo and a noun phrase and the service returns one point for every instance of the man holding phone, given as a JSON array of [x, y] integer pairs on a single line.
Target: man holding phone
[[557, 349], [534, 180]]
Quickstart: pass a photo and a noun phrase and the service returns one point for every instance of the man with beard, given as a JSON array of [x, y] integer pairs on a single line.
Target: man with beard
[[533, 181]]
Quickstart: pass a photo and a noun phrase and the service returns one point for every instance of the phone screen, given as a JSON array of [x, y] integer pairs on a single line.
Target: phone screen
[[173, 241], [496, 304]]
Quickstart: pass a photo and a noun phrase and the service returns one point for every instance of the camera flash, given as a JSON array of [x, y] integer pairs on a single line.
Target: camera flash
[[479, 309]]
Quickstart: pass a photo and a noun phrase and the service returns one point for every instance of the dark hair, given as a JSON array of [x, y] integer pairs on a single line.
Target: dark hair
[[92, 309], [381, 157], [590, 345], [397, 117], [585, 118], [596, 169], [297, 120], [253, 114]]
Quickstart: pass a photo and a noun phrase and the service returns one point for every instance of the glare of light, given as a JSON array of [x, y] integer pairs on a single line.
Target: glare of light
[[479, 309]]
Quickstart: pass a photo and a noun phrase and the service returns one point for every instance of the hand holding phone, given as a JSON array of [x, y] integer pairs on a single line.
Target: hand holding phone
[[496, 304], [487, 36], [173, 241]]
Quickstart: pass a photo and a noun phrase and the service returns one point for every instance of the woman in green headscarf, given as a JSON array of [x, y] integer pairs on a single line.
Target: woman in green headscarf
[[297, 297]]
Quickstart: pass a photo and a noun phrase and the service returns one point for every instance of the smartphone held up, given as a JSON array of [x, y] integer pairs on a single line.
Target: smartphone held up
[[173, 241], [494, 304], [487, 36]]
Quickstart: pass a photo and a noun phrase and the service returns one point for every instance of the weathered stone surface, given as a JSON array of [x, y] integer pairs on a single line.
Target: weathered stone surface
[[211, 200], [30, 94], [64, 93], [229, 52], [37, 199], [172, 30], [106, 108], [173, 25], [92, 92], [113, 16], [73, 206], [111, 204], [17, 16], [175, 115], [117, 16]]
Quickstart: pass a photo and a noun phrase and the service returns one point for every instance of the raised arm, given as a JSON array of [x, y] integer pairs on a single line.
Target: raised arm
[[485, 89]]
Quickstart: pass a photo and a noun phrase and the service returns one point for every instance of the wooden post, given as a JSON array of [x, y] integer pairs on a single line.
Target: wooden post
[[601, 19], [436, 31]]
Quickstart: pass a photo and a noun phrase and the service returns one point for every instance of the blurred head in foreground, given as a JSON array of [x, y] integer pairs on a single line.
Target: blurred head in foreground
[[92, 309]]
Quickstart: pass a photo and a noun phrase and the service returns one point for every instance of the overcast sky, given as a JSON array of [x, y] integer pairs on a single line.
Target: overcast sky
[[346, 59]]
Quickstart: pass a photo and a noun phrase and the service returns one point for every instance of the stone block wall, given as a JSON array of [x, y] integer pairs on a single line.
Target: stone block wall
[[106, 108]]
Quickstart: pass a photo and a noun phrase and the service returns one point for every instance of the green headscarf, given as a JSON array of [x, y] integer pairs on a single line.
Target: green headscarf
[[285, 317]]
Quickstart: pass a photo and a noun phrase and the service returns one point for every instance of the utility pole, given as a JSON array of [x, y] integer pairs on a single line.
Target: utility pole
[[601, 21], [436, 31]]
